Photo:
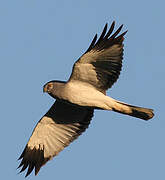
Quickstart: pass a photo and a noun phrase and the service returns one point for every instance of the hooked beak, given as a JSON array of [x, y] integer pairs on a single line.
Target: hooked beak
[[44, 89]]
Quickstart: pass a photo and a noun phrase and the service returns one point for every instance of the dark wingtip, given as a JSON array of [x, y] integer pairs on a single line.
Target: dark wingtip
[[24, 167], [108, 39], [32, 158], [117, 32], [105, 27], [110, 30], [22, 155], [113, 23], [121, 36], [19, 165], [92, 43], [30, 169], [37, 169], [102, 34]]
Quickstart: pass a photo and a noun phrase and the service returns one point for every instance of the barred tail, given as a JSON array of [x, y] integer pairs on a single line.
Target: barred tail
[[138, 112]]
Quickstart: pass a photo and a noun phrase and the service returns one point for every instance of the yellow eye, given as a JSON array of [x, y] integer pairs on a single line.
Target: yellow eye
[[48, 87]]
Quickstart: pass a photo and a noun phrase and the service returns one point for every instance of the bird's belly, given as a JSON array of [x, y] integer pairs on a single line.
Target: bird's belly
[[84, 95]]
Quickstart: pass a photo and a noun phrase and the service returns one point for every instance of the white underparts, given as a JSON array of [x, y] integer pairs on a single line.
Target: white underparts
[[85, 95]]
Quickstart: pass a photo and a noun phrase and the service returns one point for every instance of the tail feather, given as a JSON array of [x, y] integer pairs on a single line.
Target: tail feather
[[139, 112]]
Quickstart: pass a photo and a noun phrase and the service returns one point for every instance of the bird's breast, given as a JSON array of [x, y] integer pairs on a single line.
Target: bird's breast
[[83, 94]]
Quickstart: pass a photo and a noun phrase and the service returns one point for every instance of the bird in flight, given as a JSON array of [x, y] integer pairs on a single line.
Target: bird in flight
[[76, 99]]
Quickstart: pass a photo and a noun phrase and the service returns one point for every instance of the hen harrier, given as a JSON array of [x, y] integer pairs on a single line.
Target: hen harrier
[[93, 73]]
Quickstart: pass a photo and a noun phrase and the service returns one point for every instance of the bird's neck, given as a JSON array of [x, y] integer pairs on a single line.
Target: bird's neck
[[58, 89]]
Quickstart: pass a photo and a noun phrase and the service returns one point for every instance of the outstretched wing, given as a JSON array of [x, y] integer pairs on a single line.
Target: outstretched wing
[[101, 64], [57, 129]]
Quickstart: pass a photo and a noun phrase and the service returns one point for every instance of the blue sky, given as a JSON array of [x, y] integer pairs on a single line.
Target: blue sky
[[39, 41]]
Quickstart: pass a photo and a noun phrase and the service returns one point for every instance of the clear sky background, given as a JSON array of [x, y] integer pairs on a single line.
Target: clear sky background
[[39, 41]]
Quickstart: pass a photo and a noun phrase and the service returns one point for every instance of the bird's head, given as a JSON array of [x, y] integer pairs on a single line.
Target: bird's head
[[48, 87], [53, 88]]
